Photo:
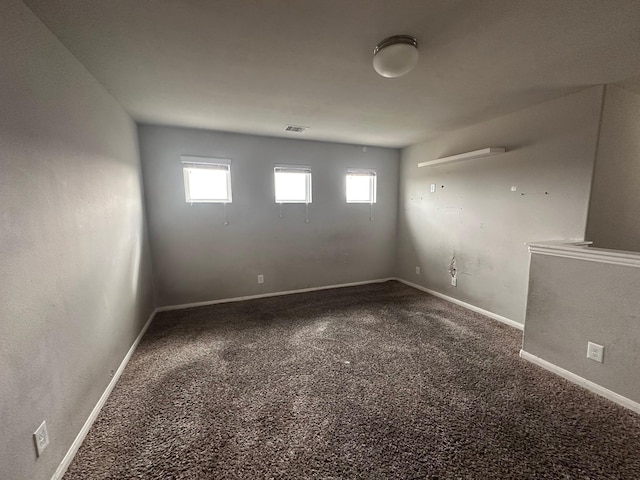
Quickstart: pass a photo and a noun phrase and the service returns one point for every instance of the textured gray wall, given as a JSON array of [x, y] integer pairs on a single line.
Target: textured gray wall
[[75, 269], [474, 213], [198, 258], [613, 220], [572, 302]]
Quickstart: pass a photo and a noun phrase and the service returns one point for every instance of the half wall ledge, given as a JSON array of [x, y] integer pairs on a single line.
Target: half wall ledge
[[583, 250], [580, 294]]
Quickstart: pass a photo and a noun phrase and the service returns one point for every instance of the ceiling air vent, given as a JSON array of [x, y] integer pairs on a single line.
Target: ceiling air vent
[[295, 128]]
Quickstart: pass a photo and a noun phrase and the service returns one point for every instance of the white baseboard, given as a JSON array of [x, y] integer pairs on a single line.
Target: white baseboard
[[468, 306], [265, 295], [583, 382], [66, 461]]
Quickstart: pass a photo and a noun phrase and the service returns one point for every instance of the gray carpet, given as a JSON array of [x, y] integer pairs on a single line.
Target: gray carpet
[[379, 381]]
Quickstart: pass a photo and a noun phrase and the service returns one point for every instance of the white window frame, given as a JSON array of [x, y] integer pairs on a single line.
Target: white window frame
[[373, 185], [293, 169], [195, 163]]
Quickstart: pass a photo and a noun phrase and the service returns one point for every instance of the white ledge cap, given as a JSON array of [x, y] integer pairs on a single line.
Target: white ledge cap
[[582, 250]]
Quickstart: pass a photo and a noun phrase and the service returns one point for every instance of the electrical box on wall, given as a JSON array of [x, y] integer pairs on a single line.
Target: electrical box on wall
[[41, 438], [595, 352]]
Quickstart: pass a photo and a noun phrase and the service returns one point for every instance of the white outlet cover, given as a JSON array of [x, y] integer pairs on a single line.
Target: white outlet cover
[[433, 188], [417, 270], [454, 281], [41, 438], [260, 278], [595, 352]]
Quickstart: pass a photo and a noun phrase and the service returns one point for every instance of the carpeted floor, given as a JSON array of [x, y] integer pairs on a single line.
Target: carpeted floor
[[379, 381]]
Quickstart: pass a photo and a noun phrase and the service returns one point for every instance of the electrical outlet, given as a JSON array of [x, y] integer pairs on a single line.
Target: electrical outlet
[[41, 438], [260, 278], [417, 270], [433, 188], [595, 352], [454, 281]]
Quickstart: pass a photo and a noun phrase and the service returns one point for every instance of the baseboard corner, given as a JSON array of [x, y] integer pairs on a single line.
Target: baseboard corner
[[468, 306], [73, 449], [583, 382], [182, 306]]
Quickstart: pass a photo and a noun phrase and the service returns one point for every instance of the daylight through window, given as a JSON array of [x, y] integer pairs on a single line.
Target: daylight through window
[[292, 184], [206, 180], [361, 186]]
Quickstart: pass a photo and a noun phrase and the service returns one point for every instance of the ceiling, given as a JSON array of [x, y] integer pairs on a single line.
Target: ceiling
[[254, 66]]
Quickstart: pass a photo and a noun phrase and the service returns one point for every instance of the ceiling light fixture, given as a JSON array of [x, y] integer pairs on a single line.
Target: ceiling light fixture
[[395, 56]]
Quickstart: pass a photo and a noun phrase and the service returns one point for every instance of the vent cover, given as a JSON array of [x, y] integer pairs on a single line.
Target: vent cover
[[295, 128]]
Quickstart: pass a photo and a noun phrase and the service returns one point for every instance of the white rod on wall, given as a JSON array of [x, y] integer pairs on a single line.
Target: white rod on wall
[[484, 152]]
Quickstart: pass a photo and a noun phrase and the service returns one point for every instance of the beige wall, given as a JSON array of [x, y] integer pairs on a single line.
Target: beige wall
[[475, 215], [572, 302], [198, 258], [614, 221], [74, 262]]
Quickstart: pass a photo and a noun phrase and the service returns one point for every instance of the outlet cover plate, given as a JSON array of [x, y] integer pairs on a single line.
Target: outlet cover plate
[[595, 352], [260, 278], [41, 438]]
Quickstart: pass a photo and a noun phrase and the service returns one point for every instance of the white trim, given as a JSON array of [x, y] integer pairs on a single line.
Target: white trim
[[291, 168], [483, 152], [66, 461], [182, 306], [602, 391], [204, 161], [468, 306], [583, 382], [581, 251]]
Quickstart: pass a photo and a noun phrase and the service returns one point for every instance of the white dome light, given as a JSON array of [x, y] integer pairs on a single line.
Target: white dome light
[[395, 56]]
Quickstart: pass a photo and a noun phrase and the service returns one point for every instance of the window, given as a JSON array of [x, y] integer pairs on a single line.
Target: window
[[361, 186], [206, 180], [292, 184]]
